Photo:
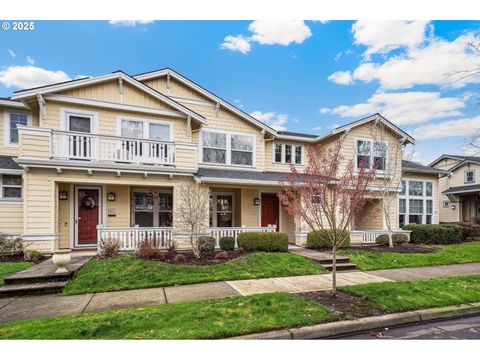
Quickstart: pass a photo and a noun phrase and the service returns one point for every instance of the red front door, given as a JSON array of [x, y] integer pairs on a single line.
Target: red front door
[[269, 208], [88, 216]]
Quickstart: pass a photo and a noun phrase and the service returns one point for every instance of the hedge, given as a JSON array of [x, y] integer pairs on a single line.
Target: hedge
[[435, 234], [319, 239], [206, 244], [263, 241], [227, 243], [397, 239]]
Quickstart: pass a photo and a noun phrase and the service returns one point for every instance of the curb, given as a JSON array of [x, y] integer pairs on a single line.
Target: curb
[[322, 331]]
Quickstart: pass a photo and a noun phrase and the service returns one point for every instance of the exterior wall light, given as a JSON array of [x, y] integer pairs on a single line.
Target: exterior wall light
[[111, 196], [256, 201], [63, 195]]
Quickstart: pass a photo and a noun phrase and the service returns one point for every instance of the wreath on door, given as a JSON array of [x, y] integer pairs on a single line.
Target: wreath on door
[[88, 202]]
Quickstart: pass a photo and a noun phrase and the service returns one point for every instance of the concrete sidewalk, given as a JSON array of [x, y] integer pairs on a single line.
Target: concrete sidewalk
[[22, 308]]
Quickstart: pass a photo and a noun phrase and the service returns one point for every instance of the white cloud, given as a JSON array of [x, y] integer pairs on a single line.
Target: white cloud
[[316, 128], [324, 110], [296, 120], [341, 78], [429, 64], [384, 36], [30, 76], [236, 43], [272, 119], [461, 127], [130, 23], [30, 60], [12, 54], [270, 32], [405, 107]]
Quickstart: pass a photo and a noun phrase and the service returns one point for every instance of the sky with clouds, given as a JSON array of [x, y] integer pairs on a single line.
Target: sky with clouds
[[304, 76]]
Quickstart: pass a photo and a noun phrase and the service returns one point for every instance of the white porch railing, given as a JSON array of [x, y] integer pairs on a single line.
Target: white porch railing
[[131, 237], [84, 146], [218, 232], [369, 236]]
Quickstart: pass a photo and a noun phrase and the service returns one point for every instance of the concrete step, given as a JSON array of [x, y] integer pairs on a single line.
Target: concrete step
[[340, 260], [341, 266], [32, 289], [36, 279]]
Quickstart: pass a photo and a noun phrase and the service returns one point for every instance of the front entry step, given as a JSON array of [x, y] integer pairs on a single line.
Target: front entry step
[[323, 258], [32, 289], [341, 266]]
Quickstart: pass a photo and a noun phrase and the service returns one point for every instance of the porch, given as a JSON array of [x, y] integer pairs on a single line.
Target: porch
[[465, 201]]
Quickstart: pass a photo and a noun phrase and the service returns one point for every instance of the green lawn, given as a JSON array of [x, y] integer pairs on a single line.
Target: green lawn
[[190, 320], [448, 254], [8, 268], [421, 294], [128, 273]]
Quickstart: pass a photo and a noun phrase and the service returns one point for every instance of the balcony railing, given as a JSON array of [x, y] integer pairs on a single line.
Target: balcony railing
[[83, 146]]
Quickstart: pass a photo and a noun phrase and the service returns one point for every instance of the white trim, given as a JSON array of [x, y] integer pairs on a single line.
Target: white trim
[[155, 205], [407, 197], [146, 129], [193, 102], [39, 237], [305, 139], [465, 181], [6, 126], [216, 99], [110, 105], [11, 199], [10, 172], [228, 148], [215, 211], [34, 130], [213, 180], [75, 211], [13, 104], [294, 147], [378, 173], [65, 114]]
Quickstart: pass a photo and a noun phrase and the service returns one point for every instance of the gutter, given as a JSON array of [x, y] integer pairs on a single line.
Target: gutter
[[347, 327]]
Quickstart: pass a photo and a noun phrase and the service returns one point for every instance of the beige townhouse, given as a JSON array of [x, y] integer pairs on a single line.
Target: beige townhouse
[[102, 157], [459, 187]]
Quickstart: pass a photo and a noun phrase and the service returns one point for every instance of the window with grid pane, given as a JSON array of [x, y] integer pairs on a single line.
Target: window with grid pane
[[10, 186], [16, 119]]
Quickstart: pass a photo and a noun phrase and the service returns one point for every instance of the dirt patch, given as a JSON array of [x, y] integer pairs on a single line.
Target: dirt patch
[[405, 248], [12, 258], [206, 258], [344, 306]]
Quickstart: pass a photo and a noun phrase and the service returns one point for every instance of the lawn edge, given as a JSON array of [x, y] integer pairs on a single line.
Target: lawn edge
[[346, 327]]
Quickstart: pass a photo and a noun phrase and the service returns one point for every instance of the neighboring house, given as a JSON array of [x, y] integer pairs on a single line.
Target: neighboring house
[[103, 157], [459, 187]]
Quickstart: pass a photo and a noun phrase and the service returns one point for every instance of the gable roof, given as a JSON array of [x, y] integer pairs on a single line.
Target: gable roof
[[11, 103], [374, 117], [22, 94], [411, 166], [186, 81], [461, 158]]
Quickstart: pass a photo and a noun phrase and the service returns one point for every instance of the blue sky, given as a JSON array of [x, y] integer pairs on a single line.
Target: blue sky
[[302, 76]]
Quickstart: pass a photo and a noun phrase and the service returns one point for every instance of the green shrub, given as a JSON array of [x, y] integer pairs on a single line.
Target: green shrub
[[206, 243], [434, 234], [319, 239], [382, 240], [397, 239], [9, 245], [227, 243], [33, 255], [263, 241]]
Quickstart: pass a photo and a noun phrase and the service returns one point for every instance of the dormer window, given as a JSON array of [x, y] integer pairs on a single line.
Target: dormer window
[[371, 154], [288, 154], [469, 176]]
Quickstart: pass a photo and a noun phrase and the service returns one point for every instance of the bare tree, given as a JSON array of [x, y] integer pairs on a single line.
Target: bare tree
[[327, 195], [191, 211], [387, 158]]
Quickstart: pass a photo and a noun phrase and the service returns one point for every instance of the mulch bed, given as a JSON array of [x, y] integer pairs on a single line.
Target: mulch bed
[[344, 306], [205, 259], [405, 248]]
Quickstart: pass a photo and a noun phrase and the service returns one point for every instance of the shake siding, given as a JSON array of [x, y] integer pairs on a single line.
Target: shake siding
[[11, 218], [110, 92], [458, 177], [446, 164], [176, 88]]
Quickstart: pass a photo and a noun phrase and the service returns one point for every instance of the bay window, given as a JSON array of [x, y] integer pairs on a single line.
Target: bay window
[[415, 202], [220, 147], [371, 154], [10, 187], [288, 154]]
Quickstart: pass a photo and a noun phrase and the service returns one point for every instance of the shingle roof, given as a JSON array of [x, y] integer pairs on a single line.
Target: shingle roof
[[290, 133], [462, 189], [412, 166], [245, 175], [7, 162], [464, 157]]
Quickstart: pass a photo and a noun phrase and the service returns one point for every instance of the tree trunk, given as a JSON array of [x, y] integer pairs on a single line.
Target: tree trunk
[[334, 269], [390, 238]]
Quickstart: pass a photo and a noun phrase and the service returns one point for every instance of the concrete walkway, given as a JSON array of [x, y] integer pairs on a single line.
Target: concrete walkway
[[21, 308]]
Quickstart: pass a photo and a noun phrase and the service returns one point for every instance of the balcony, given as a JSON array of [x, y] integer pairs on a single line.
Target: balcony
[[69, 145]]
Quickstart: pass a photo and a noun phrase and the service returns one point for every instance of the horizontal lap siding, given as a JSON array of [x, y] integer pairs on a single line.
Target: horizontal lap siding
[[121, 206], [11, 218]]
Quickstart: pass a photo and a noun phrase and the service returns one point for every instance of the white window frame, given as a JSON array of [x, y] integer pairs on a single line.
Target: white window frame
[[155, 206], [6, 125], [465, 176], [423, 197], [445, 204], [146, 126], [228, 148], [65, 114], [294, 147], [372, 141], [11, 186], [214, 208]]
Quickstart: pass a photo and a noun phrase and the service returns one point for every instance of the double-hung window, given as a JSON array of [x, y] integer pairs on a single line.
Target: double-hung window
[[287, 154], [227, 148], [371, 154], [10, 187], [469, 176], [415, 202], [152, 208], [145, 129], [12, 120]]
